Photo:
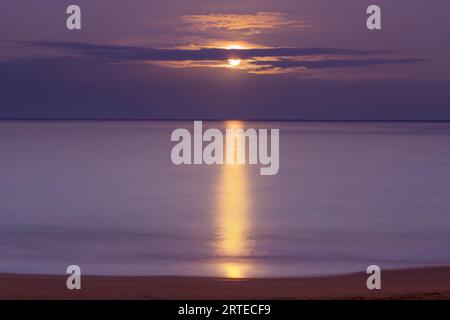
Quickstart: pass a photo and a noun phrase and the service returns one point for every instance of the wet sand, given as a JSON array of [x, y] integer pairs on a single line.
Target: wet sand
[[426, 283]]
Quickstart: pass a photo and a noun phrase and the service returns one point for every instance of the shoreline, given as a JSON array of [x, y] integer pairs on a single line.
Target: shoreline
[[410, 284]]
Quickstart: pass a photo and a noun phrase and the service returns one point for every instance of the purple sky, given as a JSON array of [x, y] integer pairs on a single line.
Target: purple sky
[[158, 59]]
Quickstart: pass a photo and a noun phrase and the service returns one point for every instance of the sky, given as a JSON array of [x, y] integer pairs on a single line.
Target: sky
[[238, 59]]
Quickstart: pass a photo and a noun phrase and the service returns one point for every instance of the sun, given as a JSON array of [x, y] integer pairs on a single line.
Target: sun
[[234, 62], [234, 47]]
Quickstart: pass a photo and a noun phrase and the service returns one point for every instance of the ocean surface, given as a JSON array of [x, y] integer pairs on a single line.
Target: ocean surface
[[106, 196]]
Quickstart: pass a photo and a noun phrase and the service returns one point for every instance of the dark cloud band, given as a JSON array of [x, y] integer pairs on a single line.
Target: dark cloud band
[[259, 58], [127, 53]]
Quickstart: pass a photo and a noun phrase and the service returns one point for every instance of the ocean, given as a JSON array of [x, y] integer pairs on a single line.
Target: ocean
[[105, 195]]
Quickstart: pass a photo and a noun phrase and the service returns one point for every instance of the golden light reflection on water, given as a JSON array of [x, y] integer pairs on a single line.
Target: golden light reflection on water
[[233, 216]]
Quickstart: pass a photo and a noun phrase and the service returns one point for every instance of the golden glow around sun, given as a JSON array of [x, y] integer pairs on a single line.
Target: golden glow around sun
[[234, 62]]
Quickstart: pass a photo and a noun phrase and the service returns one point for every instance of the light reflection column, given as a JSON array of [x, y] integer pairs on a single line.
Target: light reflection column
[[233, 217]]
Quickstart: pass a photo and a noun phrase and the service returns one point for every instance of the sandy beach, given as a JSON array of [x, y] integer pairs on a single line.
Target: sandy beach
[[427, 283]]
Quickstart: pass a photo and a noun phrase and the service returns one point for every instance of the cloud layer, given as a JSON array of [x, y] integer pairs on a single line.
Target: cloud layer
[[254, 60], [257, 21]]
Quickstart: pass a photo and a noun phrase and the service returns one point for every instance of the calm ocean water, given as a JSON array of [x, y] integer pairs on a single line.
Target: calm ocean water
[[106, 196]]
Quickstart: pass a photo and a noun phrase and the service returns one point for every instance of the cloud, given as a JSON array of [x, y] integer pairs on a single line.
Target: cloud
[[258, 21], [333, 63], [129, 53], [253, 60]]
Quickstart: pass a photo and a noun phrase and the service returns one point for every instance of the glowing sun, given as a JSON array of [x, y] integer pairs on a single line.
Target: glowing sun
[[234, 62]]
